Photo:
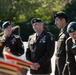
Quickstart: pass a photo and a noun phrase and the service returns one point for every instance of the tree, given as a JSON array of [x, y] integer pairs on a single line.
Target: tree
[[22, 11], [70, 10]]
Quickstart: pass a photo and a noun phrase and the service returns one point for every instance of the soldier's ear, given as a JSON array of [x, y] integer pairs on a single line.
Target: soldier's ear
[[63, 19]]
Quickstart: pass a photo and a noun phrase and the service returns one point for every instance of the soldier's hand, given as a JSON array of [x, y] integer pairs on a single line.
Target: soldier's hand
[[7, 49], [35, 66], [32, 67]]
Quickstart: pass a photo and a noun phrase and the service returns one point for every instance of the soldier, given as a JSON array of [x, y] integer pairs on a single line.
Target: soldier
[[10, 42], [61, 21], [71, 50], [40, 49]]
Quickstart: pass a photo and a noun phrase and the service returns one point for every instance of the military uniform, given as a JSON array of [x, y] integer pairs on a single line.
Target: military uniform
[[40, 50], [61, 51], [14, 42], [71, 53], [70, 66]]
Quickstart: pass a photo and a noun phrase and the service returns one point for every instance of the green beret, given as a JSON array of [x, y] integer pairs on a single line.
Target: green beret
[[71, 27]]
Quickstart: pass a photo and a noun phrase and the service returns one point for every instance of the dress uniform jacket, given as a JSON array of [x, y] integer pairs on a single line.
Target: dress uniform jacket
[[14, 42], [61, 52], [70, 59], [41, 50]]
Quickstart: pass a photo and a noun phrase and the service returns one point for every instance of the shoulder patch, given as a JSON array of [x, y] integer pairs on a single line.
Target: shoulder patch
[[32, 35], [51, 35]]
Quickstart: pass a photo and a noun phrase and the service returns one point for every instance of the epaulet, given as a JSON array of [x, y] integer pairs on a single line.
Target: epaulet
[[1, 37], [16, 36], [68, 39], [66, 35], [32, 35], [49, 33]]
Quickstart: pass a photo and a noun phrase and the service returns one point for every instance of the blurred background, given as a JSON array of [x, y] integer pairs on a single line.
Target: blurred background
[[20, 12]]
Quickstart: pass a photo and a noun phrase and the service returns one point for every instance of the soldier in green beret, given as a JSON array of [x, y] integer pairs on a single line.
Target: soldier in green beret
[[71, 50]]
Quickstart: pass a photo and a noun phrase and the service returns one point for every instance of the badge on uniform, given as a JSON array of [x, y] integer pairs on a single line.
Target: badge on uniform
[[42, 40], [13, 40]]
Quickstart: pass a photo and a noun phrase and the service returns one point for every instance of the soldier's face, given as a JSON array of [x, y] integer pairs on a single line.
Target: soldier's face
[[73, 35], [38, 26], [59, 22], [8, 30]]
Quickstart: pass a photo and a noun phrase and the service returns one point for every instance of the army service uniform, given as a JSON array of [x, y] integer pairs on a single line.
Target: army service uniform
[[14, 42], [40, 50], [71, 53], [61, 52]]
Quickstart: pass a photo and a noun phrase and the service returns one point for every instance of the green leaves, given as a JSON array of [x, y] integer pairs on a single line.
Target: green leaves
[[20, 10]]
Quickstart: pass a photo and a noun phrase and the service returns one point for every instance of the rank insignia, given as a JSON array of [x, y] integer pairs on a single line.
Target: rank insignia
[[34, 21]]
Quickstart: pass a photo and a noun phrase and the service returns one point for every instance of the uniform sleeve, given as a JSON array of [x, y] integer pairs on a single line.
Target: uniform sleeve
[[20, 47], [50, 46], [70, 59], [28, 52], [65, 70]]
